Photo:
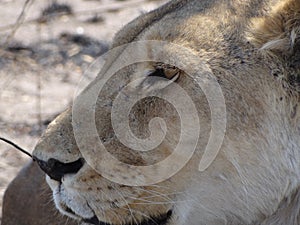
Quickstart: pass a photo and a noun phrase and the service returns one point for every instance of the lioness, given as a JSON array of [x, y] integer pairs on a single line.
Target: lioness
[[250, 48]]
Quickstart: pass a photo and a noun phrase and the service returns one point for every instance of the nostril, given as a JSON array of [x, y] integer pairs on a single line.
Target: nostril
[[56, 169]]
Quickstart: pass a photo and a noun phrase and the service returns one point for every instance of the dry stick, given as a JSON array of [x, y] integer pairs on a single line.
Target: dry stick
[[39, 95], [16, 146], [18, 23], [39, 103]]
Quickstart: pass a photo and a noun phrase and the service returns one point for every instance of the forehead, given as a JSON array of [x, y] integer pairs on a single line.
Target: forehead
[[197, 30], [205, 25]]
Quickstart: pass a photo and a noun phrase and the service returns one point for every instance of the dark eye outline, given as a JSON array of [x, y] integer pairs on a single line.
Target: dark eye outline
[[160, 72]]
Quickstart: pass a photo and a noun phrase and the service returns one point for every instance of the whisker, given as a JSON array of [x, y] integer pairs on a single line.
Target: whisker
[[16, 146], [160, 186], [144, 215], [147, 202], [159, 194], [121, 195], [112, 211], [162, 195]]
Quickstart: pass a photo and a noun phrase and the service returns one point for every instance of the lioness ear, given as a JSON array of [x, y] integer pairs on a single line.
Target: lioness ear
[[279, 31]]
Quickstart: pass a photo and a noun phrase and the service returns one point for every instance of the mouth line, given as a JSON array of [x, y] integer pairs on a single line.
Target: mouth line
[[69, 211], [158, 220], [94, 220]]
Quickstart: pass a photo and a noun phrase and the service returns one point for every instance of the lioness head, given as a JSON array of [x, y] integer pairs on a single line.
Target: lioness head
[[193, 119]]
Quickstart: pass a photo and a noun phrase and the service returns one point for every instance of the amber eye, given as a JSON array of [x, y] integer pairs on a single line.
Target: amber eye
[[166, 71]]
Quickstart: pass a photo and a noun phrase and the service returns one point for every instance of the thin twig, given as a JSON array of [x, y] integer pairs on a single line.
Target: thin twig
[[18, 23], [39, 95]]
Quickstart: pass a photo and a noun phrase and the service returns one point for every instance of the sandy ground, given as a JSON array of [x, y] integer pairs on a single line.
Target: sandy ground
[[42, 60]]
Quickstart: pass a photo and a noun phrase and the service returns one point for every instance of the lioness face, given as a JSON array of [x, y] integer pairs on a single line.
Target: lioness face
[[108, 175]]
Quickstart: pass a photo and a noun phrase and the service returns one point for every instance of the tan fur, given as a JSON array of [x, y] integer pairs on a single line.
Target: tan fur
[[255, 177]]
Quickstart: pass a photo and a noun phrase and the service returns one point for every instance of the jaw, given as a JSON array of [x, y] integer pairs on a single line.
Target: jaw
[[91, 218]]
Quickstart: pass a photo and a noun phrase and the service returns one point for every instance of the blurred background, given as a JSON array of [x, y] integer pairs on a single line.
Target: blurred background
[[45, 46]]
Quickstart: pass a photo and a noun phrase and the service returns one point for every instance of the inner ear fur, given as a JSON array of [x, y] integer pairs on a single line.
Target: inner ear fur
[[278, 31]]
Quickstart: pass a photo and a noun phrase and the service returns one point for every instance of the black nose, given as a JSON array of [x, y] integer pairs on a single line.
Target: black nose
[[56, 169]]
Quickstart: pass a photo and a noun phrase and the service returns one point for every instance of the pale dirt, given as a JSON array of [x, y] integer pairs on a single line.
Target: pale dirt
[[40, 73]]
